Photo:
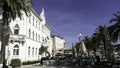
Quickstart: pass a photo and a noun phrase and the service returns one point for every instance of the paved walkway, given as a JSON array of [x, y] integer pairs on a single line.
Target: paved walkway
[[45, 66]]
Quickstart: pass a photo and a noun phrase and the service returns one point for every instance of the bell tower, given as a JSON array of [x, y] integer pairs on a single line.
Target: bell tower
[[42, 16]]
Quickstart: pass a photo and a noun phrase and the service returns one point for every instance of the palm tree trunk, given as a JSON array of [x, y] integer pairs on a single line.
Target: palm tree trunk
[[5, 35], [94, 51], [88, 52], [3, 48], [104, 43]]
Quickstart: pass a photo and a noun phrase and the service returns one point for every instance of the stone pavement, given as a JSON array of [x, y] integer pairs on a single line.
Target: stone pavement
[[45, 66]]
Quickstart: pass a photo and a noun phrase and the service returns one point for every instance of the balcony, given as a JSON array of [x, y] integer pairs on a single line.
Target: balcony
[[17, 38]]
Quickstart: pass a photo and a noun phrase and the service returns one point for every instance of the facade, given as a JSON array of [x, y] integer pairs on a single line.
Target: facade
[[46, 40], [26, 37], [59, 45]]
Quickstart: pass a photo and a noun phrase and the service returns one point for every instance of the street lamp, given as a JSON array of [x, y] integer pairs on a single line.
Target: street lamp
[[79, 36], [80, 59]]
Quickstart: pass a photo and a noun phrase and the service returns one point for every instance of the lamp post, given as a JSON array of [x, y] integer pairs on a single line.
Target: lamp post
[[79, 36], [80, 58]]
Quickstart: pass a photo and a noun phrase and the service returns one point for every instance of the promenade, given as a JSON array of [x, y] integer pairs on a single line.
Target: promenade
[[45, 66]]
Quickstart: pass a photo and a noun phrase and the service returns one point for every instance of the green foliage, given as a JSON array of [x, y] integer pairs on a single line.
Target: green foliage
[[10, 10], [87, 41], [45, 58], [42, 49], [14, 7], [15, 63], [114, 29], [30, 62]]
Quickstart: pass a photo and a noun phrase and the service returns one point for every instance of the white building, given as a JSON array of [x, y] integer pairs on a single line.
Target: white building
[[45, 34], [59, 45], [27, 36]]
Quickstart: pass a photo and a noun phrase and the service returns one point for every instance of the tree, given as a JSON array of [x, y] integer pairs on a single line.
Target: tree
[[77, 47], [73, 51], [114, 29], [43, 49], [95, 43], [100, 32], [104, 38], [11, 10], [87, 41]]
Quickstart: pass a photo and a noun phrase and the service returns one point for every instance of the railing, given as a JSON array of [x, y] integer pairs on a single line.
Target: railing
[[17, 37]]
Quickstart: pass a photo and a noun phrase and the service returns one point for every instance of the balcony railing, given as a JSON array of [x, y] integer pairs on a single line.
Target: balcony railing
[[17, 37]]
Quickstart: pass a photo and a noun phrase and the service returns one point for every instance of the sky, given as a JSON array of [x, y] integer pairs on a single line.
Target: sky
[[68, 18]]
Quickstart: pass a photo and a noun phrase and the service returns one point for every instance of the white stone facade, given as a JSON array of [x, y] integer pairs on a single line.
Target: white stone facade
[[27, 36], [59, 45]]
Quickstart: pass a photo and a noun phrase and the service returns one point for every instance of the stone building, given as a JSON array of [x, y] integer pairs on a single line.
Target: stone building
[[59, 45], [26, 37]]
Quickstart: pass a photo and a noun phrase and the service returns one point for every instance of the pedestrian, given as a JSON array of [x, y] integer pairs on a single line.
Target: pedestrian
[[41, 61]]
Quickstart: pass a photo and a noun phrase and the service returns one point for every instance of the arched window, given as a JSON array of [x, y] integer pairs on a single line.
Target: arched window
[[36, 36], [16, 29], [29, 51], [33, 20], [16, 50], [33, 51], [29, 33], [36, 51], [33, 35], [30, 19]]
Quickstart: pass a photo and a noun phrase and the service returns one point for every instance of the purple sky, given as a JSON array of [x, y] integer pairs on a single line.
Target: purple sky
[[68, 18]]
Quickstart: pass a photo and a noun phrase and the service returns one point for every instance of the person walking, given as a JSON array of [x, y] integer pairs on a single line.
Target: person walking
[[41, 61]]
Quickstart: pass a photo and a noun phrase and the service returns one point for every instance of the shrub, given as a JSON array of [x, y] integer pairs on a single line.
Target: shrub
[[30, 62], [53, 58], [15, 63]]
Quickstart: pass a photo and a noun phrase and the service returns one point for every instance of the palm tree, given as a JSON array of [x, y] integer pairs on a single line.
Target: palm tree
[[104, 38], [94, 43], [73, 51], [44, 49], [114, 29], [100, 33], [87, 41], [77, 47], [11, 10]]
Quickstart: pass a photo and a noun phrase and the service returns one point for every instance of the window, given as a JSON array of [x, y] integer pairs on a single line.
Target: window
[[36, 51], [30, 19], [33, 21], [43, 39], [16, 29], [36, 36], [36, 23], [29, 51], [16, 50], [42, 27], [47, 37], [39, 37], [39, 25], [33, 51], [33, 35], [29, 33]]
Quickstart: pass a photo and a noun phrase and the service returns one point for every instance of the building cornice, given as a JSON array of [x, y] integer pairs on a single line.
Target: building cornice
[[36, 14]]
